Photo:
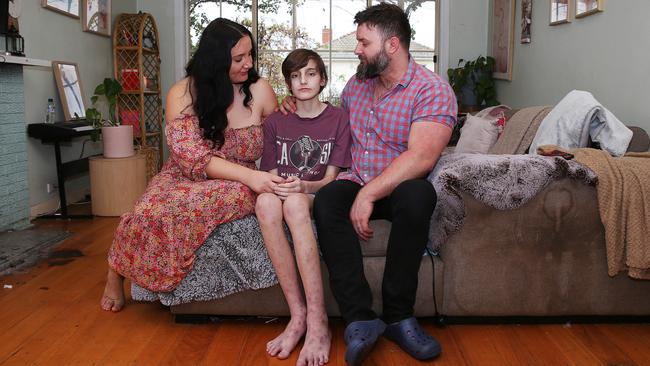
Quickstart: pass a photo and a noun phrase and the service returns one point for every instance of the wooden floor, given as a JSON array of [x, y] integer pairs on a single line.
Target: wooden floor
[[51, 316]]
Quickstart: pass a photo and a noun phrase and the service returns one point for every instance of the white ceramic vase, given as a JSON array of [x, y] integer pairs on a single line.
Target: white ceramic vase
[[118, 141]]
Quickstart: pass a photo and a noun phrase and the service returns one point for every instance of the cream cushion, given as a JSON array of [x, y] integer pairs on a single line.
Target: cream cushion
[[477, 135]]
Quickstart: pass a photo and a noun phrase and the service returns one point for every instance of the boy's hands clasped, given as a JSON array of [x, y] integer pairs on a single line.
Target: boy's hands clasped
[[290, 185], [264, 182]]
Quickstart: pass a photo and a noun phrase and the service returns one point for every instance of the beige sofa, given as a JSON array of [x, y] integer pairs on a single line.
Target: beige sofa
[[546, 258]]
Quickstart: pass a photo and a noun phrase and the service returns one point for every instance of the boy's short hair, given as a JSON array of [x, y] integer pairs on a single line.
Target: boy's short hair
[[298, 59]]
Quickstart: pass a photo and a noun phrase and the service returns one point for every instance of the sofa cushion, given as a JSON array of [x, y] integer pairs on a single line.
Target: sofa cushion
[[477, 135], [376, 246], [640, 141]]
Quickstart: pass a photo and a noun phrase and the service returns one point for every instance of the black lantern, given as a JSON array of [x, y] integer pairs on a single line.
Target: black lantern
[[14, 42]]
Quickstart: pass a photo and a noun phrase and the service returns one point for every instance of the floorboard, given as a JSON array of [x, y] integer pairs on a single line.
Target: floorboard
[[51, 316]]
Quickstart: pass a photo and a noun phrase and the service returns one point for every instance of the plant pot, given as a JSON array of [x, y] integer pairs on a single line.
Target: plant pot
[[118, 141], [469, 98]]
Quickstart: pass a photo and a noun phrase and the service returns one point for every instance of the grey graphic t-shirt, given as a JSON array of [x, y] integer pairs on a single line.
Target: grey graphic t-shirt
[[304, 147]]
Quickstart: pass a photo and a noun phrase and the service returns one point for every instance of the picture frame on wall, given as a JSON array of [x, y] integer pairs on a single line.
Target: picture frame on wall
[[560, 12], [526, 20], [65, 7], [96, 17], [68, 83], [588, 7], [502, 37]]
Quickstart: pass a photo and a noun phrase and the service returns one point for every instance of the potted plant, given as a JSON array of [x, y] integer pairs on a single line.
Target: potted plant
[[473, 83], [117, 138]]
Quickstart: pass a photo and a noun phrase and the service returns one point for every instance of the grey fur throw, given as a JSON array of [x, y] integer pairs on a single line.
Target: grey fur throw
[[501, 181]]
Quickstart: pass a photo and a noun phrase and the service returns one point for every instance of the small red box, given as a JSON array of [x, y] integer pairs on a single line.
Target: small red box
[[130, 79]]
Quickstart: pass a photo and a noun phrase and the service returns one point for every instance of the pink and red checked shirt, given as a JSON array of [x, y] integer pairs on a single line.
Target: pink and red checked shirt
[[380, 130]]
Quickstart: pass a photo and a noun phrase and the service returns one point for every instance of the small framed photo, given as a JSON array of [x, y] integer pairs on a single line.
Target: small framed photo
[[588, 7], [68, 83], [96, 17], [503, 37], [526, 20], [560, 10], [65, 7]]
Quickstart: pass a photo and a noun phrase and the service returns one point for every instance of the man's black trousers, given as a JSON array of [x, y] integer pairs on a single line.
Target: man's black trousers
[[409, 208]]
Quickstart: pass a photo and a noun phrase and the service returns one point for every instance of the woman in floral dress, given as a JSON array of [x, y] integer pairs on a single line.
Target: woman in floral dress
[[214, 133]]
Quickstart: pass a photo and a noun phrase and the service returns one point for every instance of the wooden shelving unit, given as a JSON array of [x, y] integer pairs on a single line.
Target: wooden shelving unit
[[136, 63]]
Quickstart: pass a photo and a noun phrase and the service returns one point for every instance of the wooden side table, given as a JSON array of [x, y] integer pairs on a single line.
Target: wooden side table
[[116, 184]]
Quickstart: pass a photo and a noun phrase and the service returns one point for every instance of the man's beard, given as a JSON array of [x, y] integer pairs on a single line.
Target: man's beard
[[373, 67]]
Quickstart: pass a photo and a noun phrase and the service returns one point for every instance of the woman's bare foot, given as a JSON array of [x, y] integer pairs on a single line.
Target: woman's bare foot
[[316, 350], [283, 344], [113, 297]]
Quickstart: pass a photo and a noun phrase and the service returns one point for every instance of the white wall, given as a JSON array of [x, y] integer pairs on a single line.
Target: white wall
[[606, 54], [52, 36], [468, 25], [163, 13]]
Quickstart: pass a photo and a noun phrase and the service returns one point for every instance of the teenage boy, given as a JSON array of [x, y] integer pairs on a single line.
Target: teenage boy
[[401, 118], [307, 149]]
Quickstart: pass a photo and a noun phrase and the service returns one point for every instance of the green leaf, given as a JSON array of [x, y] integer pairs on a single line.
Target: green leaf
[[100, 90]]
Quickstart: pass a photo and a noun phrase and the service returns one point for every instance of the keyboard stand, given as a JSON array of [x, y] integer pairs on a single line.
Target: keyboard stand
[[64, 170], [49, 133]]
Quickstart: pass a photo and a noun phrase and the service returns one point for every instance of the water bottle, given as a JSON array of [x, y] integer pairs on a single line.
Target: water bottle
[[50, 114]]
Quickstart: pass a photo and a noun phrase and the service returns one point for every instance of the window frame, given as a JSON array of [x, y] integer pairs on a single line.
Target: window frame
[[182, 34]]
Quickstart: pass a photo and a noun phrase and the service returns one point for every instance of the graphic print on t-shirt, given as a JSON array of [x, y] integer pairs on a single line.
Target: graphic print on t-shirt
[[304, 154], [304, 157]]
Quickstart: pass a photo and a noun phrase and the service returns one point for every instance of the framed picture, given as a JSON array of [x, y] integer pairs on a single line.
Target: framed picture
[[588, 7], [71, 93], [503, 36], [526, 20], [560, 10], [65, 7], [96, 16]]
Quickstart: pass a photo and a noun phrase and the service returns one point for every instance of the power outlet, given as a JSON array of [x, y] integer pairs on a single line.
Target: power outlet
[[50, 188]]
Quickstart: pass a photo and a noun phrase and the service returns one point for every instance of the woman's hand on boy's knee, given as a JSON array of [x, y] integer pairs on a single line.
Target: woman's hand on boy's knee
[[263, 182]]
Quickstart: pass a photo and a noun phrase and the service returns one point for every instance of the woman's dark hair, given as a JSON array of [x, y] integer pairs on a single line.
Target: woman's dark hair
[[210, 85], [298, 59], [390, 19]]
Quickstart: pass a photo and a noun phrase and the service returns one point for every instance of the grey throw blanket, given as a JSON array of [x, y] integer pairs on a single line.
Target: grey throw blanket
[[232, 259], [501, 181]]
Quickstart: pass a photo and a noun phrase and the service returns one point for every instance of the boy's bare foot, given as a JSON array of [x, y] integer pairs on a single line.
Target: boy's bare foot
[[316, 350], [113, 297], [283, 344]]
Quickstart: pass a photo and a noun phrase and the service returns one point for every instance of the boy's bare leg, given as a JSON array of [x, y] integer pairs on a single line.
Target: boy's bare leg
[[113, 297], [269, 214], [297, 214]]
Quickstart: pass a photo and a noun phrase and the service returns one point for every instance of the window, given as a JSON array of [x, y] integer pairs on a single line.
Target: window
[[281, 26]]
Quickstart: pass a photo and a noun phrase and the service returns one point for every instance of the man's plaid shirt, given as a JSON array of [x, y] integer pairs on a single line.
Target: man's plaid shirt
[[380, 130]]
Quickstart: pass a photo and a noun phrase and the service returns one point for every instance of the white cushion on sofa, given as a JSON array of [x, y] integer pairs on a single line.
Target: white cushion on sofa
[[477, 135]]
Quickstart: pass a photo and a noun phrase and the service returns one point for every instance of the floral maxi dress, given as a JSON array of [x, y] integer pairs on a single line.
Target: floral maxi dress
[[154, 244]]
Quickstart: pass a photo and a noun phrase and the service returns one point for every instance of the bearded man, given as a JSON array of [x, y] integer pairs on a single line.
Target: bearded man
[[401, 118]]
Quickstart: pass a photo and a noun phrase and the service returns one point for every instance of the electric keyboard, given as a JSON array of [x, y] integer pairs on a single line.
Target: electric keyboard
[[59, 131]]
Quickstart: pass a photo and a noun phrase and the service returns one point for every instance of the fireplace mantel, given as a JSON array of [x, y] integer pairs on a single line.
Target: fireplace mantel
[[22, 60]]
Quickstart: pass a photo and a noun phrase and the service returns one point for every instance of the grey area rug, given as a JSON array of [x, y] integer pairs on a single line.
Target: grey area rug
[[24, 248]]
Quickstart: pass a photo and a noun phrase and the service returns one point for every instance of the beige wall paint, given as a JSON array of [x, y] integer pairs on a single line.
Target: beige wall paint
[[468, 25]]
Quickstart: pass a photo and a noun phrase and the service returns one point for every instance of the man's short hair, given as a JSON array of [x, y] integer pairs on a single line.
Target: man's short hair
[[389, 19], [298, 59]]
